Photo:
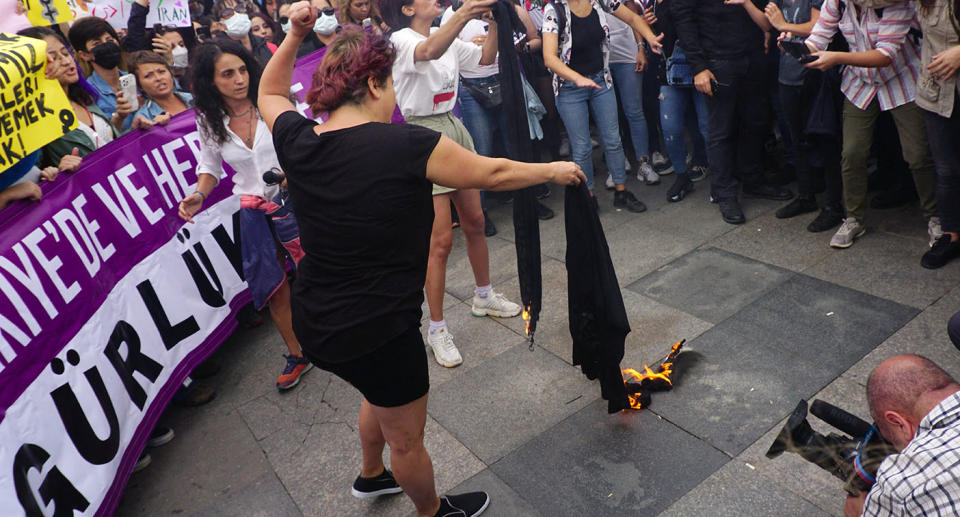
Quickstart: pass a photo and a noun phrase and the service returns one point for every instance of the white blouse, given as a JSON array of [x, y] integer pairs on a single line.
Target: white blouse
[[250, 164], [100, 134]]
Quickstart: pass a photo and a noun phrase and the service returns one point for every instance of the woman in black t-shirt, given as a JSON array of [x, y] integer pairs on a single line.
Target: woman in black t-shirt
[[362, 190]]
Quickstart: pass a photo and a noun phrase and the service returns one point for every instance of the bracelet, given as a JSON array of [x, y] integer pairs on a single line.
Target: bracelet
[[202, 195]]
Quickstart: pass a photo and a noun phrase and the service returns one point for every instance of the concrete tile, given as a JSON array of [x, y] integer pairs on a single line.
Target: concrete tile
[[655, 328], [181, 480], [637, 249], [504, 502], [265, 497], [510, 398], [709, 283], [906, 221], [888, 266], [791, 473], [735, 489], [630, 463], [697, 216], [925, 335], [782, 242], [784, 346], [478, 339]]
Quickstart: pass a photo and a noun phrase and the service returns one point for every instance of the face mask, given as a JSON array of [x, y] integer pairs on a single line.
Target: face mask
[[237, 25], [181, 57], [286, 27], [106, 54], [326, 25]]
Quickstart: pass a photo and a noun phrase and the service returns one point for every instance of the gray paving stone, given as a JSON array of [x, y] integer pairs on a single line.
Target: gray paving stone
[[888, 266], [709, 283], [735, 489], [592, 463], [460, 279], [925, 335], [504, 502], [230, 460], [782, 242], [784, 346], [265, 497], [697, 216], [638, 249], [510, 398]]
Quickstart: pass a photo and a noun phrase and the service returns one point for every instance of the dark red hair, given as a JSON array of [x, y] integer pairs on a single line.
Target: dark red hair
[[353, 57]]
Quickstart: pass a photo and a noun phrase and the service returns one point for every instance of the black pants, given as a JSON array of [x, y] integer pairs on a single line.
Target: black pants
[[953, 329], [797, 101], [737, 114], [944, 137], [651, 101]]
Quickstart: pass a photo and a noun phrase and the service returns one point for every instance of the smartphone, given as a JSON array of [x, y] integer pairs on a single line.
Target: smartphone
[[797, 49], [159, 29], [128, 85], [367, 23]]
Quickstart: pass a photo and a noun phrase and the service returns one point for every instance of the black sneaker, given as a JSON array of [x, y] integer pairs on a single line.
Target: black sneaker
[[626, 199], [463, 505], [828, 219], [544, 212], [767, 192], [384, 484], [797, 207], [489, 229], [730, 211], [682, 186], [943, 251], [161, 435]]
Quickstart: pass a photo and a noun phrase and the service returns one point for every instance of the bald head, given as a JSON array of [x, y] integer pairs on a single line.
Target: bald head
[[903, 383]]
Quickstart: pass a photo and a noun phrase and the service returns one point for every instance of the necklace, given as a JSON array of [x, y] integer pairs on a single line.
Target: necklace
[[252, 129], [238, 115]]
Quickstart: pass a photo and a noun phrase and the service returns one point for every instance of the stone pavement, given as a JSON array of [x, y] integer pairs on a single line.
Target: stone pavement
[[772, 315]]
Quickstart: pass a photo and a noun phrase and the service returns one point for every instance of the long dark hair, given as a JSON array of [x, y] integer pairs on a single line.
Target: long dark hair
[[208, 102], [392, 13], [81, 91]]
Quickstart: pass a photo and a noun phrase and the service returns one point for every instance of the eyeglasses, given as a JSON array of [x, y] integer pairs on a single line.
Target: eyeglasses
[[327, 11], [230, 11]]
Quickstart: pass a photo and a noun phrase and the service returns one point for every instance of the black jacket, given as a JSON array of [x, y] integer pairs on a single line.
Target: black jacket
[[710, 29]]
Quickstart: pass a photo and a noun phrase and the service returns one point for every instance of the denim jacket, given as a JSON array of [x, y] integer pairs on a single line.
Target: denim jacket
[[552, 25], [151, 109], [107, 100]]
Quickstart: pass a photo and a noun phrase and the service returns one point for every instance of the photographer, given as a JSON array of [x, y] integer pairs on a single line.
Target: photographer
[[916, 406]]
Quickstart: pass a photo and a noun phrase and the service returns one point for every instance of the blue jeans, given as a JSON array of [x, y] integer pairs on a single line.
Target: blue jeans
[[675, 102], [482, 123], [576, 106], [629, 85]]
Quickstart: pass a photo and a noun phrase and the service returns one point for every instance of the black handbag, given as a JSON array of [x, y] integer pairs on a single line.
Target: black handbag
[[486, 91]]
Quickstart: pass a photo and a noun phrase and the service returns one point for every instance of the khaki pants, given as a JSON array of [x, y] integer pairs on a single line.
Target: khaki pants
[[858, 128]]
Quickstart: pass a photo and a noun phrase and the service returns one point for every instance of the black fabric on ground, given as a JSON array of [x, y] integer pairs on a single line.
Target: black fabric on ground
[[598, 319], [526, 225]]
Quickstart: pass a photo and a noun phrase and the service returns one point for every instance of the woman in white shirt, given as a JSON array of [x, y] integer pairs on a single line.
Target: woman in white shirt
[[426, 75], [225, 82]]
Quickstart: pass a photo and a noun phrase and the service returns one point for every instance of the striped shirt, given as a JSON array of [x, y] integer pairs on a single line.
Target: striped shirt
[[924, 479], [893, 85]]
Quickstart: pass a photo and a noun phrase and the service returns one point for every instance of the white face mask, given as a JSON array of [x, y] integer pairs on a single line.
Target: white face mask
[[237, 25], [181, 57], [286, 27], [326, 25]]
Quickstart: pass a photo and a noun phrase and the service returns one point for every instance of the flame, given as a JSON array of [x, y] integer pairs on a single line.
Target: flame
[[660, 376], [526, 317]]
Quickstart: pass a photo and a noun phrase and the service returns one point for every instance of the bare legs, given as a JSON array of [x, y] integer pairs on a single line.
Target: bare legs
[[280, 313], [401, 427], [441, 242]]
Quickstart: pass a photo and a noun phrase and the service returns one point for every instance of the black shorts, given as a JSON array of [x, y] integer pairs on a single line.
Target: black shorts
[[392, 375]]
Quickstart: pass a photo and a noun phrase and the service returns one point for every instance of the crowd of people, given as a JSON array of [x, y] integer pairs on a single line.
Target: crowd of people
[[746, 96]]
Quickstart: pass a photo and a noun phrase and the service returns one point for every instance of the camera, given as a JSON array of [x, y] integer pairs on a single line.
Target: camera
[[274, 176], [853, 459]]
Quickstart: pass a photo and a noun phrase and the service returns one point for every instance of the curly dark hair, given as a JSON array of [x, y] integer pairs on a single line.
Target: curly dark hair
[[208, 102]]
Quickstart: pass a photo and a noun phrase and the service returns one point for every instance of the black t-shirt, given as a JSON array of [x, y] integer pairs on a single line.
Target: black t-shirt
[[586, 36], [365, 211]]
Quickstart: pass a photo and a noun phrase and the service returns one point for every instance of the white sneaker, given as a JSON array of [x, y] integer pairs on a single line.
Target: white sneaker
[[849, 230], [646, 174], [444, 351], [609, 182], [494, 305], [661, 164], [934, 230]]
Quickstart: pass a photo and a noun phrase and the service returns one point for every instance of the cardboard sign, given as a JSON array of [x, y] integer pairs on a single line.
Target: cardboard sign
[[174, 13], [47, 12], [34, 110]]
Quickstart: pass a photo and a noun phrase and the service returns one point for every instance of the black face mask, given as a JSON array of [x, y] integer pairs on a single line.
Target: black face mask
[[106, 54]]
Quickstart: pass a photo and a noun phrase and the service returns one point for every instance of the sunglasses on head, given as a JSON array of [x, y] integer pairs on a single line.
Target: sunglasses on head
[[230, 11], [327, 11]]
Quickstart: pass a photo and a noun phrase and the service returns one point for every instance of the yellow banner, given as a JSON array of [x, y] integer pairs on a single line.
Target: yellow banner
[[34, 110], [47, 12]]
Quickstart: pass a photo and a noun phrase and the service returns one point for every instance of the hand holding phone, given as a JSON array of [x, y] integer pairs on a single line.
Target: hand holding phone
[[128, 85]]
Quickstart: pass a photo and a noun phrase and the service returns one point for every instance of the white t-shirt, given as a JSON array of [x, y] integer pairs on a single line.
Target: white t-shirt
[[472, 29], [623, 46], [429, 87]]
